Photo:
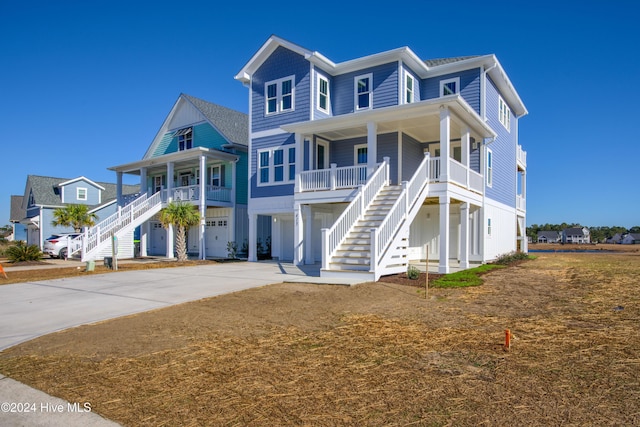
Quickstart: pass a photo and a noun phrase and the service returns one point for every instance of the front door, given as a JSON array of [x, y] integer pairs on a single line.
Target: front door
[[322, 154], [185, 179], [157, 242]]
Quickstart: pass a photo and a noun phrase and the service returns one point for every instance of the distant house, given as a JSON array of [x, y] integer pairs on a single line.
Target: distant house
[[616, 239], [17, 213], [576, 235], [631, 239], [549, 237], [44, 194]]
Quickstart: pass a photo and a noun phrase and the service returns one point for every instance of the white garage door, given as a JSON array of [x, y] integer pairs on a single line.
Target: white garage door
[[217, 237]]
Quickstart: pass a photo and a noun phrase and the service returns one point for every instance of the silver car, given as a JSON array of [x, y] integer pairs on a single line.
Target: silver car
[[56, 245]]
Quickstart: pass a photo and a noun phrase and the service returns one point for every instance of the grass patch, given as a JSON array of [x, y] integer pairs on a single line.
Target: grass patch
[[465, 278]]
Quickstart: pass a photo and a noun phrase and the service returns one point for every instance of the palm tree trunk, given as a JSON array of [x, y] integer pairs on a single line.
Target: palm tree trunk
[[181, 244]]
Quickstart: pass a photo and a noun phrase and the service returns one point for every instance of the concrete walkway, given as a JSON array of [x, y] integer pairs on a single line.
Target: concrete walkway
[[29, 310]]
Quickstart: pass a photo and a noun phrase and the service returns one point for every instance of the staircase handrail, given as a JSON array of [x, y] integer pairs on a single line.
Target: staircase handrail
[[382, 236], [365, 195]]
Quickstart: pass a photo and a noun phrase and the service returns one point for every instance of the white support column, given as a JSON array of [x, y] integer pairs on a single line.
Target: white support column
[[144, 188], [253, 238], [308, 228], [443, 267], [119, 188], [144, 233], [465, 138], [299, 141], [170, 239], [298, 234], [445, 143], [203, 207], [169, 182], [464, 236], [232, 217], [372, 147]]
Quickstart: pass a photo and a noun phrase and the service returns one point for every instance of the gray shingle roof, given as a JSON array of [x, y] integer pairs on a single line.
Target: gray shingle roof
[[443, 61], [233, 125], [46, 191], [549, 234], [17, 213], [574, 231]]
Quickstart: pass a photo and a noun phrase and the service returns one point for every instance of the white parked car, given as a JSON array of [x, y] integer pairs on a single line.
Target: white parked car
[[56, 245]]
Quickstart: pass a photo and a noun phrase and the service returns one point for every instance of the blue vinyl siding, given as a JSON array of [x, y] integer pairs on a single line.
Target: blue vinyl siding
[[469, 87], [412, 155], [242, 186], [342, 152], [70, 193], [269, 190], [503, 147], [388, 147], [474, 160], [282, 63], [385, 88], [204, 135]]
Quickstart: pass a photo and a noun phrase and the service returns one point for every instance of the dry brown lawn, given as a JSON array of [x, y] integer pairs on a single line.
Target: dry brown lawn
[[373, 354]]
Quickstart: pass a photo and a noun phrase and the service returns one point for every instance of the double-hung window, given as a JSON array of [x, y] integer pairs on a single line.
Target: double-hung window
[[363, 90], [410, 88], [81, 193], [276, 166], [449, 86], [504, 113], [185, 138], [323, 94], [279, 95]]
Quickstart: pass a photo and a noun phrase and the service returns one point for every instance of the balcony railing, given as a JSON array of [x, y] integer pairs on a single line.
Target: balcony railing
[[192, 193], [521, 155], [334, 178], [458, 173], [521, 202]]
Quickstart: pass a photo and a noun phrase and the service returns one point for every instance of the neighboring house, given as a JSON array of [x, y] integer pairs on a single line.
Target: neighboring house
[[367, 164], [44, 194], [615, 239], [576, 235], [198, 156], [549, 237], [631, 239], [17, 213]]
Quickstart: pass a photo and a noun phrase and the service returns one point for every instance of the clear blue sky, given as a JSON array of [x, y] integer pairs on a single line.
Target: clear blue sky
[[85, 85]]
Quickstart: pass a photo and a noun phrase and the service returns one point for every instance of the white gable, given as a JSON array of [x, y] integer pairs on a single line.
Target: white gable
[[185, 115]]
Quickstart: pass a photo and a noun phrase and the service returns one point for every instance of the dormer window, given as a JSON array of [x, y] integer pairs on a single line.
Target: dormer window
[[450, 86], [81, 193], [363, 92], [185, 138], [279, 96]]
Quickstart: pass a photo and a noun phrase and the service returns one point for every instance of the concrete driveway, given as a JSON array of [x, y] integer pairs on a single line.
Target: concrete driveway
[[29, 310]]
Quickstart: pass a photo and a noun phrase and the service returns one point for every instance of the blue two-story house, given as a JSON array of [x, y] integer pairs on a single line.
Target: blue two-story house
[[198, 156], [369, 164]]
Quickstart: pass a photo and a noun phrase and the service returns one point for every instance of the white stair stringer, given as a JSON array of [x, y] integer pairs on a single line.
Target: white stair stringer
[[97, 238]]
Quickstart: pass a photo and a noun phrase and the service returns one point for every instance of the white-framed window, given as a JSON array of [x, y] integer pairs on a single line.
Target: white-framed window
[[504, 113], [363, 92], [410, 88], [279, 95], [450, 86], [185, 138], [276, 165], [323, 94], [489, 167], [489, 227], [81, 193], [215, 176]]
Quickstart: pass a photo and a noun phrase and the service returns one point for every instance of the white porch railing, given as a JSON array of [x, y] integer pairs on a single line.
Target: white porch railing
[[382, 236], [331, 238], [458, 173], [192, 193], [521, 202], [333, 178]]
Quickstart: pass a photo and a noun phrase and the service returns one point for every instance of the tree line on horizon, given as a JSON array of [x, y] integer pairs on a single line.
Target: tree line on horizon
[[598, 234]]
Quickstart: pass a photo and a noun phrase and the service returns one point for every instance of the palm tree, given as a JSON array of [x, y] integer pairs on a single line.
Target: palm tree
[[182, 216], [76, 216]]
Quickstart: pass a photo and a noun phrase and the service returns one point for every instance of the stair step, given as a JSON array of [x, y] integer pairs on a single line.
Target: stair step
[[340, 266], [348, 254], [351, 261], [354, 247]]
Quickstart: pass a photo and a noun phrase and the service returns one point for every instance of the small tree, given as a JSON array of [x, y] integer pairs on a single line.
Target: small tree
[[182, 216], [21, 252], [76, 216]]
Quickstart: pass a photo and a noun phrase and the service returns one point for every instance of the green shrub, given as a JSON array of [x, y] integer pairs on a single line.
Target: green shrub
[[413, 273], [22, 252], [511, 257], [464, 278]]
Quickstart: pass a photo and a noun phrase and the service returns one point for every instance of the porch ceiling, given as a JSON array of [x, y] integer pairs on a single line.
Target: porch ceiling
[[421, 120]]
